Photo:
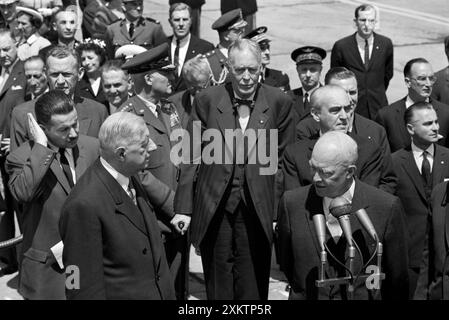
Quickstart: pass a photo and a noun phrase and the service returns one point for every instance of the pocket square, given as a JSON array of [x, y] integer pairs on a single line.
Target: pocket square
[[446, 179], [18, 87]]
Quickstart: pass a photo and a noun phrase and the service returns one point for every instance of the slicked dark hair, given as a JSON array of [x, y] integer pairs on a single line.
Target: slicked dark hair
[[409, 65], [51, 103], [363, 7], [409, 113], [338, 73]]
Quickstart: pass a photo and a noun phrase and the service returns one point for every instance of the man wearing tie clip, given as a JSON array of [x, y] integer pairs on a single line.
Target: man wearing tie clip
[[232, 203], [333, 166]]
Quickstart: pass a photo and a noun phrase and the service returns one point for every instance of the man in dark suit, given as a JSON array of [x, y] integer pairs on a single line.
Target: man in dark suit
[[308, 65], [333, 164], [150, 72], [419, 167], [183, 44], [440, 90], [370, 56], [231, 199], [332, 109], [134, 29], [271, 77], [195, 5], [62, 72], [12, 92], [230, 27], [108, 226], [439, 251], [43, 171], [419, 79]]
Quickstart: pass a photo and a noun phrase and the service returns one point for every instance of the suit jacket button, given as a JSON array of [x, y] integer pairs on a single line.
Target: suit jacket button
[[144, 251]]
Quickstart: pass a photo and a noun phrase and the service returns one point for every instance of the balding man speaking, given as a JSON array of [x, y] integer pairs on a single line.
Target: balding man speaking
[[333, 165]]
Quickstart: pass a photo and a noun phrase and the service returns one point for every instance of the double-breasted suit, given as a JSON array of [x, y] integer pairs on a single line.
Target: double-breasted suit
[[299, 249], [38, 182], [392, 119], [372, 82], [115, 243]]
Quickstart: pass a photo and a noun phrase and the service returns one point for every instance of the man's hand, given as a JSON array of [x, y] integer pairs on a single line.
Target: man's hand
[[181, 223], [46, 12], [37, 134]]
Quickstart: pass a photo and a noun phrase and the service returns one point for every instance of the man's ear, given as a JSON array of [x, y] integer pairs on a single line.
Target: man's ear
[[410, 129], [148, 79], [315, 114], [351, 170], [120, 152], [408, 82], [80, 73]]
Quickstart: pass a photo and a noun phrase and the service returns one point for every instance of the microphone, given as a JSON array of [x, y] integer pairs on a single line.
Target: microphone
[[365, 221], [340, 208], [320, 228]]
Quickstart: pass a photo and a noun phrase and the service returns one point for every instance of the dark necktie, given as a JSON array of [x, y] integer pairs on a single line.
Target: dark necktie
[[176, 57], [132, 193], [66, 167], [426, 174], [366, 54], [131, 29], [306, 103]]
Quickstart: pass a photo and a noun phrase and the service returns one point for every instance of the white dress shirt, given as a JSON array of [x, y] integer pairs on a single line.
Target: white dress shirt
[[409, 102], [331, 222], [361, 45], [95, 85], [244, 112], [418, 156], [183, 46]]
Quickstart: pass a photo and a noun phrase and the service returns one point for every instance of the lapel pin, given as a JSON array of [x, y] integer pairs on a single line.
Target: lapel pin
[[442, 162], [141, 110], [261, 121], [377, 47]]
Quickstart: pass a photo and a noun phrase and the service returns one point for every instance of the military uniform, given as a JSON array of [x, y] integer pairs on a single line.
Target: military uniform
[[217, 62], [148, 33]]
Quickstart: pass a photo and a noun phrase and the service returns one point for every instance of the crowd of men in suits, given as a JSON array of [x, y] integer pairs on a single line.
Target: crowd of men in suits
[[89, 127]]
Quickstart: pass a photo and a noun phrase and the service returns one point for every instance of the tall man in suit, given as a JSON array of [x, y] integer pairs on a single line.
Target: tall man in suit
[[332, 110], [108, 226], [231, 199], [370, 56], [419, 167], [134, 29], [150, 72], [309, 66], [440, 90], [63, 71], [271, 77], [419, 79], [358, 124], [183, 44], [333, 166], [12, 92], [43, 172]]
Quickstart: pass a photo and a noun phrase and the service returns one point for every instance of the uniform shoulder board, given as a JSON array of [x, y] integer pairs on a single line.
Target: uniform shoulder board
[[127, 108], [209, 54], [153, 20]]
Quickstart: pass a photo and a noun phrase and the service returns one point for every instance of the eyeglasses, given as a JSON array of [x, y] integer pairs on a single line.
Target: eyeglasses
[[264, 46], [422, 79], [369, 21]]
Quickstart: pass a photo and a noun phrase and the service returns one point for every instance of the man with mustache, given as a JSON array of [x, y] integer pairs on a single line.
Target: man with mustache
[[43, 171]]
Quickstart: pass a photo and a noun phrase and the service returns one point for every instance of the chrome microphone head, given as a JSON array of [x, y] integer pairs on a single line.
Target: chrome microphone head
[[339, 207]]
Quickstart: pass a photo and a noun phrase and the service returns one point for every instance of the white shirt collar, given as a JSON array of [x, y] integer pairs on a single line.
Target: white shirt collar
[[310, 91], [361, 41], [120, 178], [149, 104], [417, 152], [183, 42], [32, 39], [409, 102]]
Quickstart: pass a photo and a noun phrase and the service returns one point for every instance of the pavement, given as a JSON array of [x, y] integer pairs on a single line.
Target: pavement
[[417, 29]]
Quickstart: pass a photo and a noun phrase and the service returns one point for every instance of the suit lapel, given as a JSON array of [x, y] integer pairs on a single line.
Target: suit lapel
[[149, 116], [226, 119], [400, 111], [412, 170], [439, 165], [123, 203], [376, 50], [354, 50], [12, 77], [258, 118], [60, 176], [124, 31]]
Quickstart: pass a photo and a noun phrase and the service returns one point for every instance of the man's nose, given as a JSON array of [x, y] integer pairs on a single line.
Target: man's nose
[[60, 79]]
